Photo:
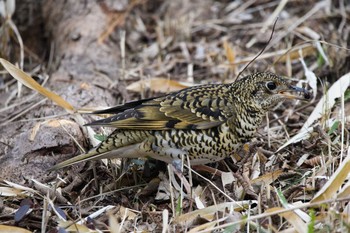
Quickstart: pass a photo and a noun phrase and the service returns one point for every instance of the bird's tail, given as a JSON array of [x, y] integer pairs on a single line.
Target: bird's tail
[[91, 155], [115, 145]]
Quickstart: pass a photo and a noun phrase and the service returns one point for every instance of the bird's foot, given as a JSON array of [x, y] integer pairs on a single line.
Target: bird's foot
[[246, 184]]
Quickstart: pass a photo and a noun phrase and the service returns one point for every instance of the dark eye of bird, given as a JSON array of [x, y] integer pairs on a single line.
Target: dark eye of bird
[[271, 86]]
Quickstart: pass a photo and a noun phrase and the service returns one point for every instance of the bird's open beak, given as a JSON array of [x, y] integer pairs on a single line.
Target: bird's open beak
[[296, 93]]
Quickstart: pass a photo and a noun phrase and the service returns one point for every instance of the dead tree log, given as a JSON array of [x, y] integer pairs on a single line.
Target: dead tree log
[[82, 69]]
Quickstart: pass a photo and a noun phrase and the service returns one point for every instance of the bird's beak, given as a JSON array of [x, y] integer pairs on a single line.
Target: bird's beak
[[294, 92]]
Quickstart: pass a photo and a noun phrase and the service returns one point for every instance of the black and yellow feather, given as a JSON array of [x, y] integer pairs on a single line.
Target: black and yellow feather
[[205, 123]]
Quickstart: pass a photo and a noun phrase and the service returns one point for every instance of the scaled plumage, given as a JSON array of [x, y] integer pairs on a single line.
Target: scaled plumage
[[206, 123]]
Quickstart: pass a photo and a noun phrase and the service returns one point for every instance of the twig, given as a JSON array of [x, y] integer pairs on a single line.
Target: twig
[[261, 51]]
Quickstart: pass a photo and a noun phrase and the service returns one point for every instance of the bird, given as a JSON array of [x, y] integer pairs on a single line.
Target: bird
[[205, 123]]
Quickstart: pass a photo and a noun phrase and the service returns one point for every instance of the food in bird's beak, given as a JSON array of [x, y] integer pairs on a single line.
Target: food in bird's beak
[[290, 94]]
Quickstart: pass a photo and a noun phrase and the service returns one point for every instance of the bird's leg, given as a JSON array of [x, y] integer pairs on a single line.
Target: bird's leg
[[244, 182], [178, 168], [177, 165]]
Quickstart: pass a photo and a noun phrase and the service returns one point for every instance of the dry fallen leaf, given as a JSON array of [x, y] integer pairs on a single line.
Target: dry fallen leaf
[[10, 192], [4, 228], [114, 226], [199, 197], [206, 226], [298, 224], [209, 212], [344, 191], [323, 106], [267, 178], [330, 189], [15, 190], [70, 226], [310, 77], [162, 85], [230, 54], [28, 81], [294, 55]]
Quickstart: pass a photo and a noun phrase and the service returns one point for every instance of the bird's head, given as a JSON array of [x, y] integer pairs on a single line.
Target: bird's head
[[266, 89]]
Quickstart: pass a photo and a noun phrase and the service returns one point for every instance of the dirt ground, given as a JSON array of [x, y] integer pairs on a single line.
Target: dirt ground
[[97, 54]]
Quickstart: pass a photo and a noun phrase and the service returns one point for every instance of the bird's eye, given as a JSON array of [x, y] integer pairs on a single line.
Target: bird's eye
[[271, 86]]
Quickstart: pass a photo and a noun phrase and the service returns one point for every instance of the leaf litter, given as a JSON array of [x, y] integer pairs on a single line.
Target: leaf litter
[[190, 44]]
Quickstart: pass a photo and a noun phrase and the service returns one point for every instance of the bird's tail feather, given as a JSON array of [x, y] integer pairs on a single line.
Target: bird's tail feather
[[120, 143], [91, 155]]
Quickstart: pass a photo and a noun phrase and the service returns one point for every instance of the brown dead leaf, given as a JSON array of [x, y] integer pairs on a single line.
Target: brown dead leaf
[[29, 82], [230, 54], [208, 213], [294, 55], [10, 192], [206, 226], [315, 161], [227, 178], [298, 224], [116, 18], [323, 106], [114, 226], [330, 189], [4, 228], [267, 178], [125, 213], [70, 226], [345, 191], [150, 188], [14, 189], [162, 85], [50, 123]]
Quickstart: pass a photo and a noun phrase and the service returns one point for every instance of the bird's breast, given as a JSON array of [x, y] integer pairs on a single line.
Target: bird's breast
[[244, 126], [204, 145]]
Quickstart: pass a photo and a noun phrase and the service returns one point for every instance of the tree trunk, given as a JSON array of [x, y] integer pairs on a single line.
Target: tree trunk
[[83, 69]]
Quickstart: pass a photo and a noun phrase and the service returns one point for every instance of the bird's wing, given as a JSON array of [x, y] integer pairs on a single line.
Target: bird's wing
[[199, 107]]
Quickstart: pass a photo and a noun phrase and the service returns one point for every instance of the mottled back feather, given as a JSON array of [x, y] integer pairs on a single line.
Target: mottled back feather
[[204, 123], [191, 108]]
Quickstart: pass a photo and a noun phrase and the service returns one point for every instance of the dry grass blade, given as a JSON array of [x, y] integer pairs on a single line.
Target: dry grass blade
[[113, 224], [328, 101], [295, 54], [206, 226], [310, 76], [323, 106], [295, 24], [268, 22], [162, 85], [267, 178], [15, 190], [298, 224], [230, 54], [277, 210], [4, 228], [18, 186], [301, 214], [70, 226], [97, 213], [345, 190], [165, 223], [10, 192], [32, 84], [261, 51], [329, 190], [208, 212]]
